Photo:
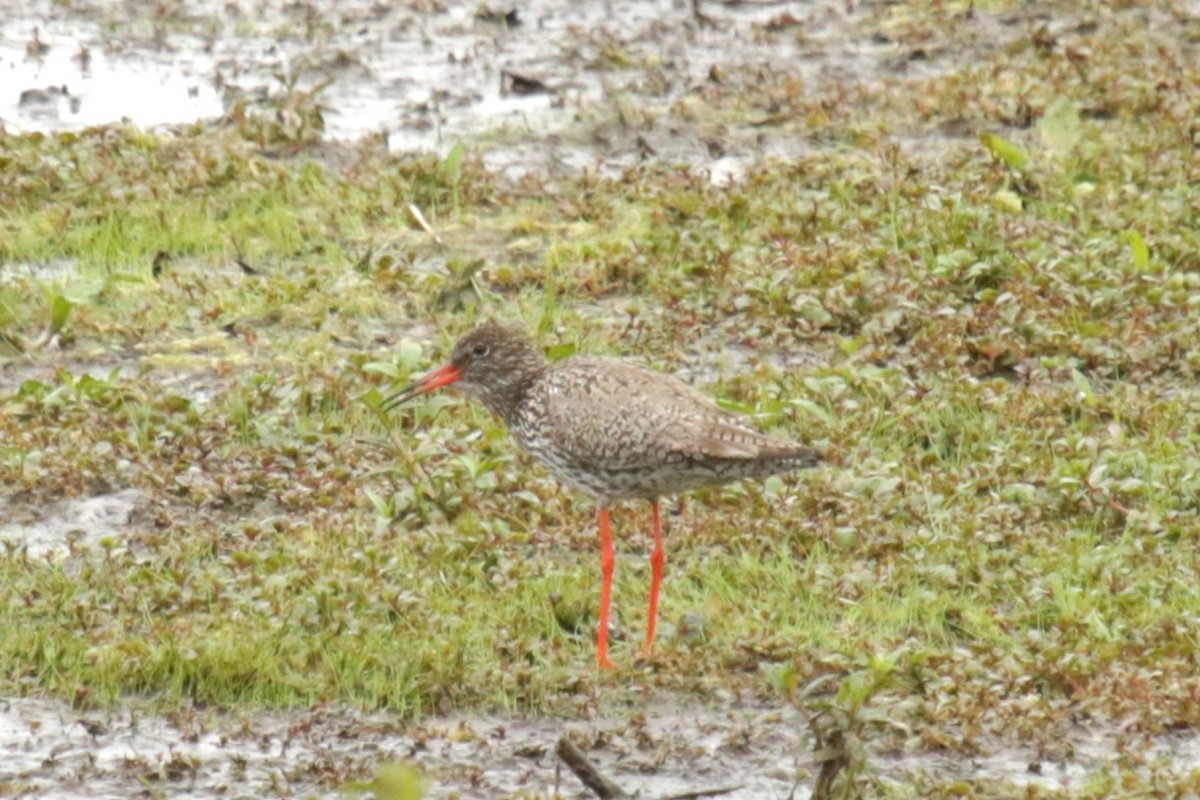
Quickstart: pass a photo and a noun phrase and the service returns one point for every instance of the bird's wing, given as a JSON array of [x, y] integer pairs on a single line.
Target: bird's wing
[[620, 416], [723, 437]]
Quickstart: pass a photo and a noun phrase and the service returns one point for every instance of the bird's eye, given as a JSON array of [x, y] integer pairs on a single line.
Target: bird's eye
[[480, 350]]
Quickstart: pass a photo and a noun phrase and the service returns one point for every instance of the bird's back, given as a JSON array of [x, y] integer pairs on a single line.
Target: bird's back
[[618, 430]]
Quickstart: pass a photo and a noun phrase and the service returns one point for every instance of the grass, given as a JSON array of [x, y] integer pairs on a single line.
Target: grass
[[999, 348]]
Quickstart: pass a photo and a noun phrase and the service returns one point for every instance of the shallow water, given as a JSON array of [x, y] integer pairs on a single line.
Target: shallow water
[[49, 750], [84, 521], [606, 76]]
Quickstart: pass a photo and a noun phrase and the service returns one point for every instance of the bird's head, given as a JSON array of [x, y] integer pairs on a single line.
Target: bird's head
[[490, 363]]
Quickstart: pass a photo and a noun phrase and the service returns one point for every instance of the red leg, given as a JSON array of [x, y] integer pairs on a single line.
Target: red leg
[[657, 559], [608, 562]]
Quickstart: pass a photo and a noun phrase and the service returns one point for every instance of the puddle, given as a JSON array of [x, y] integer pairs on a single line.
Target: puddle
[[552, 86], [557, 85], [49, 750], [58, 269], [57, 91], [51, 531]]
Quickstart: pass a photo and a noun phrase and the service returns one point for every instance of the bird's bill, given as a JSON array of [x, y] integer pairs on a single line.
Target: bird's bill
[[444, 375]]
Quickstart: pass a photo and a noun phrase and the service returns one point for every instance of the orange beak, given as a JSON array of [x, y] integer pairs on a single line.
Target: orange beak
[[444, 375]]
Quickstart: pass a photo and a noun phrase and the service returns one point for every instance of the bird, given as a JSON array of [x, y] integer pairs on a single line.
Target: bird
[[610, 429]]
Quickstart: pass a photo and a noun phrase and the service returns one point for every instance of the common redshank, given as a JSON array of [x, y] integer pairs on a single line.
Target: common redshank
[[613, 430]]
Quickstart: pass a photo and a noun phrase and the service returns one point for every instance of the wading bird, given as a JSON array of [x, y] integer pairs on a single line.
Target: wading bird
[[613, 430]]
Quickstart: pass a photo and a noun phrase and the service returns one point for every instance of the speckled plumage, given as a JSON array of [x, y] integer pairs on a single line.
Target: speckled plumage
[[612, 429], [619, 431], [609, 428]]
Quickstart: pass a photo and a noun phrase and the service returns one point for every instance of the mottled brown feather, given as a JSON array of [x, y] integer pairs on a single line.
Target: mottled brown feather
[[614, 429]]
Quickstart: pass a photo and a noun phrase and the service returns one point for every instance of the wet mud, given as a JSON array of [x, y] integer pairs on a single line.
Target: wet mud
[[551, 85], [49, 750]]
